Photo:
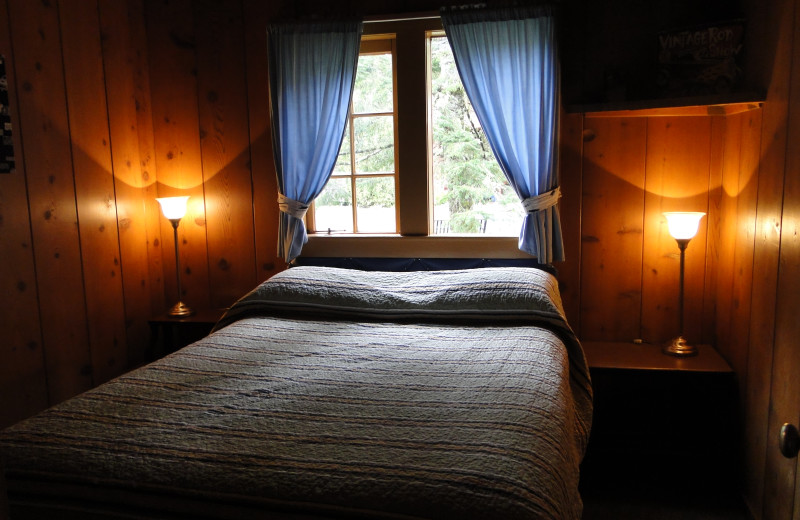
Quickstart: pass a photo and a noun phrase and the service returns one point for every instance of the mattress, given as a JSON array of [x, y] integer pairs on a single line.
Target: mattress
[[331, 393]]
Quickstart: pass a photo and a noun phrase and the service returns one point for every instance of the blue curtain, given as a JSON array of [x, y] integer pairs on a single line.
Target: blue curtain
[[508, 63], [312, 70]]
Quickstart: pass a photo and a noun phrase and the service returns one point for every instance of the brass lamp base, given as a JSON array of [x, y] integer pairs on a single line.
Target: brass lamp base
[[679, 347], [180, 309]]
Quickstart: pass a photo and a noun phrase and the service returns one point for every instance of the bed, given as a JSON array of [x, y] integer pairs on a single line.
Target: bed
[[332, 393]]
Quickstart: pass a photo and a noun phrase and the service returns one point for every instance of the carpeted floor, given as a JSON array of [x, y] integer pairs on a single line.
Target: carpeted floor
[[662, 508], [609, 494], [616, 489]]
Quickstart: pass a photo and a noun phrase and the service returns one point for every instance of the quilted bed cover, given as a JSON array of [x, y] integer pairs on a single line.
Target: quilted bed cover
[[331, 393]]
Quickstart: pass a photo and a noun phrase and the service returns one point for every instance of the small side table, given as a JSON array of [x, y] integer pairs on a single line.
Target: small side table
[[661, 423], [170, 333], [644, 356]]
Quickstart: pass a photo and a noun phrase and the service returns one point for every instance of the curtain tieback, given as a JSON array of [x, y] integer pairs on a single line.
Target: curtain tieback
[[292, 207], [542, 201]]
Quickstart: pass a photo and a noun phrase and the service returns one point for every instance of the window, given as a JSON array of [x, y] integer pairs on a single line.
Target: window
[[470, 192], [398, 188], [360, 196]]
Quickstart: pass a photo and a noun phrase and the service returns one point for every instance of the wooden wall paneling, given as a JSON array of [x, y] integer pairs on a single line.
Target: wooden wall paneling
[[714, 229], [782, 486], [762, 312], [736, 346], [176, 129], [225, 146], [22, 374], [257, 15], [611, 234], [147, 153], [727, 237], [678, 166], [742, 283], [44, 134], [569, 271], [94, 187], [760, 481], [785, 394], [776, 20], [124, 58]]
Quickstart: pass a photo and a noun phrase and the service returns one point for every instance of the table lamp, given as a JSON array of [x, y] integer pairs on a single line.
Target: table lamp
[[174, 208], [683, 227]]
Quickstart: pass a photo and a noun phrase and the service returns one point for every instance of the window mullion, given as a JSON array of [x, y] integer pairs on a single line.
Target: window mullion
[[372, 114], [412, 133]]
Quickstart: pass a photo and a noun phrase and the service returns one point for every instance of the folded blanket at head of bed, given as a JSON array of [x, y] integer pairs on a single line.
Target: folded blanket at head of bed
[[499, 293]]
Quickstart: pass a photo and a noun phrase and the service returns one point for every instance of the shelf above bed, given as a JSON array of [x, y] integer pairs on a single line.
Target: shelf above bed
[[713, 105]]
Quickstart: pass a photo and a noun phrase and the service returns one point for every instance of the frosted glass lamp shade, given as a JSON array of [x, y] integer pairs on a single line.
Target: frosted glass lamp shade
[[683, 224], [173, 207]]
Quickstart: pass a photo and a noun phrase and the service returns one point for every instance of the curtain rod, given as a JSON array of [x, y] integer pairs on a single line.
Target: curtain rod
[[428, 15]]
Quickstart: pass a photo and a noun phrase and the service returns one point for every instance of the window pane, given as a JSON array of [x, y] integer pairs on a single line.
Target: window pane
[[373, 89], [374, 138], [375, 205], [333, 209], [471, 194], [343, 160], [368, 148]]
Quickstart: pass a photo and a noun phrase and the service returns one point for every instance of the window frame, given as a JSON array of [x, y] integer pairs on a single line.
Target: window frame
[[415, 236], [371, 44]]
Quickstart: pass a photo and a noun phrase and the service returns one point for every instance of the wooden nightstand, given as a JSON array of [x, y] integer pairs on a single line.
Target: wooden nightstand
[[661, 423], [169, 333], [644, 356]]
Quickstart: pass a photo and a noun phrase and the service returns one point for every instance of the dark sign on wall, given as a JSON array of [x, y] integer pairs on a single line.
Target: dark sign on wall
[[701, 60], [6, 142]]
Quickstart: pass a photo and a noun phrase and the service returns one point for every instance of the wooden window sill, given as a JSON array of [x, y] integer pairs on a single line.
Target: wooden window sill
[[458, 246]]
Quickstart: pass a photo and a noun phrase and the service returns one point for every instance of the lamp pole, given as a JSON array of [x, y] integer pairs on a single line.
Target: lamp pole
[[682, 226], [682, 243], [175, 222], [174, 208], [678, 345]]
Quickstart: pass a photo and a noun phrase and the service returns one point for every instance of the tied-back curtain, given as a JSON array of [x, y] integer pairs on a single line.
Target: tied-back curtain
[[312, 70], [508, 63]]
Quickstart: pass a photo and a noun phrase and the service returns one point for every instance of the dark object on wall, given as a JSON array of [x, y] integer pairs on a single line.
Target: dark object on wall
[[700, 60], [7, 144]]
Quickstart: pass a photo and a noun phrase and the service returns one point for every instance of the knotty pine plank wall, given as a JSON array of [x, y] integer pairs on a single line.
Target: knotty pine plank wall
[[631, 170], [147, 99], [770, 399], [113, 104], [117, 102]]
